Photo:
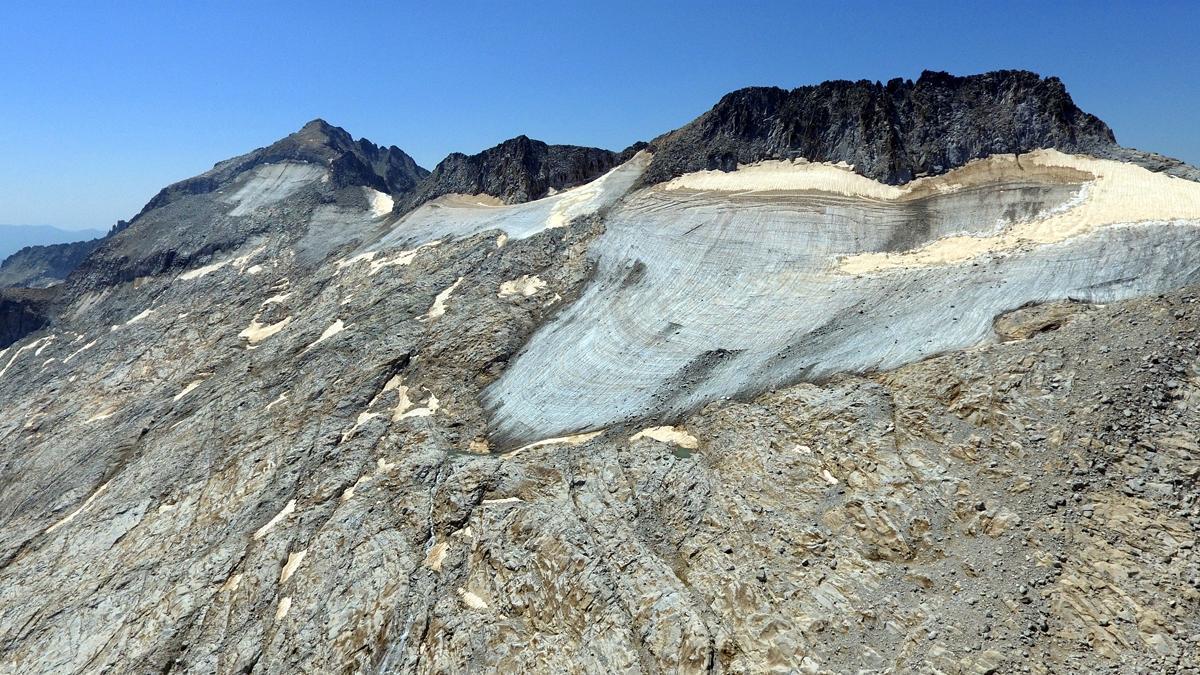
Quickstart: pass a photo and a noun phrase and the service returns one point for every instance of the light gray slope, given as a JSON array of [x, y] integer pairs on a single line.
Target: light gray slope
[[703, 296]]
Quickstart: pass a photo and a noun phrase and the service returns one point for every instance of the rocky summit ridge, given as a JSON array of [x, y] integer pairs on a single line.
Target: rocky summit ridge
[[857, 377]]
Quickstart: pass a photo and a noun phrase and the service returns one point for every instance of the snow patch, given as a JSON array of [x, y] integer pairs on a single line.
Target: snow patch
[[471, 600], [524, 285], [333, 329], [72, 515], [188, 389], [402, 258], [1121, 194], [293, 562], [381, 204], [101, 416], [31, 345], [343, 264], [439, 302], [591, 197], [239, 262], [257, 332], [668, 434], [284, 513], [575, 439], [401, 412]]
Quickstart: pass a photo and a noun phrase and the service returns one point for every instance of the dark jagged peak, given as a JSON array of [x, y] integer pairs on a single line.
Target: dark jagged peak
[[351, 162], [518, 170], [890, 132]]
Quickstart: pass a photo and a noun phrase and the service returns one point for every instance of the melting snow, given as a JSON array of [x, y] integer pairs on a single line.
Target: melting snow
[[523, 285], [431, 406], [238, 262], [381, 204], [287, 511], [71, 516], [41, 349], [188, 389], [202, 271], [27, 347], [77, 352], [575, 439], [333, 329], [342, 264], [402, 258], [101, 416], [256, 332], [285, 604], [293, 561], [668, 434], [471, 600], [139, 317], [439, 303]]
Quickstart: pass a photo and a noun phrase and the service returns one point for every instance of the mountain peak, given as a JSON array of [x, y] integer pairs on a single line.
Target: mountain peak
[[519, 169], [891, 133]]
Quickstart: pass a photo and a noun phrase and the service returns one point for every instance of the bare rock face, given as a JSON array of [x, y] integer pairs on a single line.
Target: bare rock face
[[23, 311], [218, 210], [39, 266], [318, 142], [891, 132], [518, 170], [780, 419]]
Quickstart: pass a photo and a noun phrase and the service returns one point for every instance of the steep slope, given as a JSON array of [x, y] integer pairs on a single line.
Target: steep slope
[[317, 182], [890, 132], [784, 417], [35, 266]]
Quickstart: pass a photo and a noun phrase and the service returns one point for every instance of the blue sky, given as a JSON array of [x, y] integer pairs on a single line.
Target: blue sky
[[104, 103]]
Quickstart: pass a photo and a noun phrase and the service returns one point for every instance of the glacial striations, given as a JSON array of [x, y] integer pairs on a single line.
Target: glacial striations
[[716, 405]]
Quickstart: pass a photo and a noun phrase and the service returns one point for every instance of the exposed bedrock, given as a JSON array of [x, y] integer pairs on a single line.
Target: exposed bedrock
[[891, 132], [22, 311], [518, 170], [704, 294]]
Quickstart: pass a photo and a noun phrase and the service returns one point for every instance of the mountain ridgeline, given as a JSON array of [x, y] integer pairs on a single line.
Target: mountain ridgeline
[[890, 132], [674, 409]]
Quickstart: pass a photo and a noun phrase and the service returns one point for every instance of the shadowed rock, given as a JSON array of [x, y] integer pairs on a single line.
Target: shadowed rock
[[891, 132]]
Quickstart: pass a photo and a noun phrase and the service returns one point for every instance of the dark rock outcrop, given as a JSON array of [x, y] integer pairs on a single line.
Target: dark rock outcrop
[[890, 132], [23, 311], [518, 170], [44, 265], [352, 162]]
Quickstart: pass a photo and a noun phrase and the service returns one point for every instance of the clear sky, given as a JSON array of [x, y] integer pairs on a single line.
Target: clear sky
[[103, 103]]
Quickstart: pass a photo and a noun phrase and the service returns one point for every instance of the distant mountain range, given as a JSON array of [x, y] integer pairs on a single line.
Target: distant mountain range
[[13, 238]]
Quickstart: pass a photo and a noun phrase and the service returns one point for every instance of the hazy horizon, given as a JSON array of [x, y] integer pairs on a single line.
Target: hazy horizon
[[146, 94]]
